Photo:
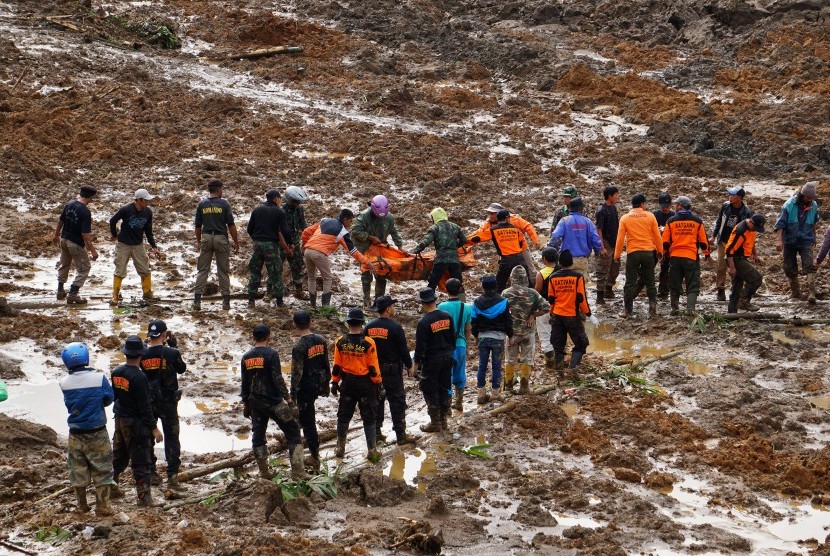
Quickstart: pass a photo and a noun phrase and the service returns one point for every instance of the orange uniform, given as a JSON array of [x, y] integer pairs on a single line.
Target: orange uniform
[[483, 233], [329, 234], [639, 231], [566, 293], [684, 235], [507, 238], [355, 354], [741, 241]]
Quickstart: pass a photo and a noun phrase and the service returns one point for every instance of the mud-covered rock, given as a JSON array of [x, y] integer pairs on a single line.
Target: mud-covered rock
[[375, 489], [532, 513], [10, 368]]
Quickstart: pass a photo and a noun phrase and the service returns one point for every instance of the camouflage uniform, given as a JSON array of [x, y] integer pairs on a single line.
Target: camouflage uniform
[[367, 224], [90, 459], [524, 302], [447, 238], [268, 253], [296, 223]]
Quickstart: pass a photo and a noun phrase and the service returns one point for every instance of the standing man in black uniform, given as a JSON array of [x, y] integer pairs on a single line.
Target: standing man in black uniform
[[74, 236], [136, 221], [162, 364], [135, 424], [434, 347], [264, 397], [214, 221], [295, 214], [393, 356], [269, 231], [310, 376]]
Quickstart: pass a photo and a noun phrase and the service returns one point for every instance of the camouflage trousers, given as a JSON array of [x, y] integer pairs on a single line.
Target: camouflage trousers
[[90, 459], [520, 349], [295, 263], [265, 253]]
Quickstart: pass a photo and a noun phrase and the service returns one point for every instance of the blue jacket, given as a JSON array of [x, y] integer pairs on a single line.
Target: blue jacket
[[578, 234], [798, 223], [86, 393]]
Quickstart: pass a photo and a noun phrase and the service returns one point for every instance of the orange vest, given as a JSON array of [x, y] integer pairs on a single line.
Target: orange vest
[[356, 354], [741, 242], [566, 293], [684, 236]]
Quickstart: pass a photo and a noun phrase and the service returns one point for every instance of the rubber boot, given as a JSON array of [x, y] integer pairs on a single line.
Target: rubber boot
[[509, 377], [115, 490], [145, 494], [299, 293], [312, 297], [315, 461], [61, 292], [379, 436], [443, 418], [600, 297], [524, 386], [325, 301], [652, 308], [116, 289], [372, 453], [811, 287], [261, 455], [226, 302], [795, 289], [721, 294], [609, 293], [74, 298], [147, 287], [691, 302], [559, 362], [550, 359], [675, 304], [102, 501], [197, 302], [628, 308], [458, 400], [367, 295], [745, 305], [434, 424], [80, 494], [155, 479], [403, 438], [340, 450], [251, 300], [576, 359], [298, 471], [483, 398], [173, 482]]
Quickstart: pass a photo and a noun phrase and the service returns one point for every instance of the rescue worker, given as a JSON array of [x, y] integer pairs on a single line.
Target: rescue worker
[[356, 378], [566, 293], [549, 260], [528, 233], [73, 234], [683, 236], [310, 376], [136, 222], [86, 392], [214, 221], [509, 242], [373, 226], [265, 397], [662, 215], [447, 238], [434, 346], [731, 212], [268, 229], [795, 232], [639, 232], [461, 314], [525, 305], [319, 242], [135, 424], [162, 364], [292, 204], [393, 357], [577, 234], [569, 192], [745, 277], [491, 325], [608, 224]]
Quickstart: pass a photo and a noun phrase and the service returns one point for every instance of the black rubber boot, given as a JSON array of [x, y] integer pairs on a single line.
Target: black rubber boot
[[434, 424], [326, 299], [576, 359], [226, 303], [600, 298]]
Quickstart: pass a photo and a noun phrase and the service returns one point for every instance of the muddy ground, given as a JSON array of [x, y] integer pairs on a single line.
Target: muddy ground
[[721, 448]]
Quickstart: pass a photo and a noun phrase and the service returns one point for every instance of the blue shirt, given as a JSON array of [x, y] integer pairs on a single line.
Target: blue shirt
[[86, 393], [577, 234], [461, 314]]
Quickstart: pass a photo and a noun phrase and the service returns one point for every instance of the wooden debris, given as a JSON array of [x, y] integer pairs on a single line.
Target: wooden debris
[[263, 53], [54, 494], [12, 546]]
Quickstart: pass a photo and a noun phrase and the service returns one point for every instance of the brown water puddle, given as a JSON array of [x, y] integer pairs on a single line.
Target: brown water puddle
[[821, 402], [410, 466], [570, 409]]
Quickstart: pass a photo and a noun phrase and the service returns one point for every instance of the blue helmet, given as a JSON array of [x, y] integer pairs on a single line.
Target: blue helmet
[[74, 355]]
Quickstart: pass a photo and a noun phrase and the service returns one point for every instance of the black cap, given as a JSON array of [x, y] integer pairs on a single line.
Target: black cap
[[133, 347], [664, 199], [576, 204], [261, 332], [758, 220], [636, 201], [355, 315], [156, 328], [213, 185], [384, 302], [87, 191], [566, 259], [502, 215], [302, 319], [454, 286], [427, 295], [489, 282], [272, 194]]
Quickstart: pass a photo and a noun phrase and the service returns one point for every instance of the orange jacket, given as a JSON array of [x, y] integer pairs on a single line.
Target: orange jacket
[[639, 231], [483, 232], [684, 235], [566, 293], [355, 354], [741, 241], [507, 238], [329, 234]]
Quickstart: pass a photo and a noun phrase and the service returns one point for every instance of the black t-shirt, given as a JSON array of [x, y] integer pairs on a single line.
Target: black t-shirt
[[76, 220], [134, 225], [214, 215], [162, 364], [732, 216], [434, 336], [310, 367], [266, 220], [132, 395], [262, 376], [662, 217], [608, 221], [390, 341]]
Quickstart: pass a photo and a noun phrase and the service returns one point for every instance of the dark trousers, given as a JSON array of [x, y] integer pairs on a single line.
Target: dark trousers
[[295, 263], [438, 270], [168, 413], [260, 415], [682, 269], [266, 253], [639, 265], [506, 266], [132, 444], [745, 283], [437, 382], [607, 269], [392, 375], [562, 327], [360, 392], [791, 255], [308, 421]]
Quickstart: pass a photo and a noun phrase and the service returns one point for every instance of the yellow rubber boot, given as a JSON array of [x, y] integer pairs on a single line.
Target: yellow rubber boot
[[509, 377], [147, 286], [116, 289], [524, 380]]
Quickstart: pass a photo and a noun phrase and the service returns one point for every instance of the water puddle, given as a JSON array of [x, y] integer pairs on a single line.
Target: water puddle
[[410, 467], [821, 402], [570, 409], [781, 337], [602, 342]]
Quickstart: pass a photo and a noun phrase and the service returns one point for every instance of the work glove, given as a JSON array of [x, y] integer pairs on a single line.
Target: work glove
[[283, 411], [246, 410], [335, 389], [325, 389], [593, 320], [381, 392]]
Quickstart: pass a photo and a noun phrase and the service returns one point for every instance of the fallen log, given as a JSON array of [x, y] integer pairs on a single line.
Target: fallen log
[[54, 494], [263, 53], [665, 357], [12, 546], [748, 316]]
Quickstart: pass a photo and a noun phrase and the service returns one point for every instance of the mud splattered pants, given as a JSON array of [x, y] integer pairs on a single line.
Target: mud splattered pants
[[132, 444], [71, 252], [358, 391], [265, 253], [168, 413], [90, 458], [392, 375]]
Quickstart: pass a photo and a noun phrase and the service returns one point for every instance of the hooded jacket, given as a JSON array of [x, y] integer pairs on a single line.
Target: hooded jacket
[[491, 313], [524, 301], [86, 393], [798, 220]]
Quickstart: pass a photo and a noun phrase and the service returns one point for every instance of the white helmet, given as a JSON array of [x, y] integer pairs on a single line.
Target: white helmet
[[294, 193]]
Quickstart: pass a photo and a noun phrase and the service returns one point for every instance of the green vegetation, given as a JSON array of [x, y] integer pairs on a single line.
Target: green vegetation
[[54, 534]]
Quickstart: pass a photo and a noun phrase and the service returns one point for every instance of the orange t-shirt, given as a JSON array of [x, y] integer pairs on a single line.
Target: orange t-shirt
[[639, 231]]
